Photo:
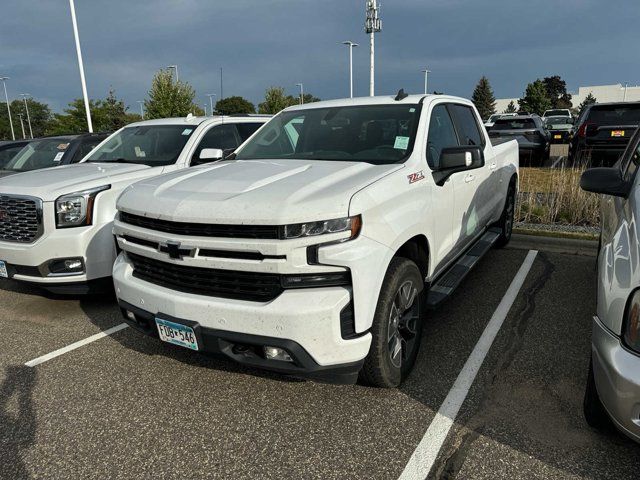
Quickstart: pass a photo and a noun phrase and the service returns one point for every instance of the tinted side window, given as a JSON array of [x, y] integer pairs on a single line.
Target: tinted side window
[[224, 137], [86, 147], [441, 135], [634, 161], [247, 129], [466, 125]]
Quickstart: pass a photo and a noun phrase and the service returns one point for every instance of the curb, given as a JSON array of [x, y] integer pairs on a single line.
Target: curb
[[570, 246]]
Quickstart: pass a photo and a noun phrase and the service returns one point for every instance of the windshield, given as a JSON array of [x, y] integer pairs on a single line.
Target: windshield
[[514, 124], [39, 154], [615, 115], [377, 134], [154, 145]]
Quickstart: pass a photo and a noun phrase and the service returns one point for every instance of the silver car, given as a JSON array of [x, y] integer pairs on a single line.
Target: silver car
[[613, 386]]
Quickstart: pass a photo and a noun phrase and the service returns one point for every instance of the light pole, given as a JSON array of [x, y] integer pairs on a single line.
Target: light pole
[[80, 65], [4, 83], [624, 98], [175, 67], [351, 46], [211, 95], [204, 106], [301, 92], [26, 107], [426, 77], [372, 25], [24, 137], [141, 103]]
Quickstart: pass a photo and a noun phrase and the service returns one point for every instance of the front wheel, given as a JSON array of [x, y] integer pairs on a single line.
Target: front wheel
[[397, 326], [506, 219]]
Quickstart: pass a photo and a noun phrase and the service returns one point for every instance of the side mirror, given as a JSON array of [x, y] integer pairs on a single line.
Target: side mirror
[[607, 181], [458, 159], [211, 154]]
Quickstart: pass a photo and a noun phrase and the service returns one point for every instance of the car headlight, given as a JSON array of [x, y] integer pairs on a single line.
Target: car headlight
[[313, 229], [76, 209], [631, 327]]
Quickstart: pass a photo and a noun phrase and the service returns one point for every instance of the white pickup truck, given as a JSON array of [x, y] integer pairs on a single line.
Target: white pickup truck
[[317, 249], [56, 224]]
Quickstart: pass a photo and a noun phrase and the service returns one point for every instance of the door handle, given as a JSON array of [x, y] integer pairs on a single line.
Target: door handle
[[469, 178]]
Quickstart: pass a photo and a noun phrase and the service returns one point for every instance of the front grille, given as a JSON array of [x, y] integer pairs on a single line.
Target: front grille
[[20, 219], [251, 286], [202, 229]]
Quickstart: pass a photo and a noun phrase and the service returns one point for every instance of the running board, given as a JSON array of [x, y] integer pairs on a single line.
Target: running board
[[449, 281]]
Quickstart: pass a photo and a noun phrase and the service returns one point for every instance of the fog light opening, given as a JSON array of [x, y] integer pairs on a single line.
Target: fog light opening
[[73, 264], [275, 353], [131, 316]]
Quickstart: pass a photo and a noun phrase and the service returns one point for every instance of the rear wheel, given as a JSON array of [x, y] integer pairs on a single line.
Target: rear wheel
[[397, 326], [594, 412], [506, 219]]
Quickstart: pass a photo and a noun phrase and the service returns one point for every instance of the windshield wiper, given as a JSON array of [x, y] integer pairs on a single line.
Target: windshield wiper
[[112, 160]]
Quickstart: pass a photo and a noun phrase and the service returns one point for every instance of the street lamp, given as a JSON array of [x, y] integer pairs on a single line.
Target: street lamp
[[351, 47], [301, 92], [24, 137], [26, 107], [174, 67], [211, 95], [372, 25], [4, 80], [426, 75], [141, 103], [80, 65]]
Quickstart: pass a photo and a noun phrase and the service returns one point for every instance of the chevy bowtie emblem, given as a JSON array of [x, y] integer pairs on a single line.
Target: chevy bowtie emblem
[[175, 252]]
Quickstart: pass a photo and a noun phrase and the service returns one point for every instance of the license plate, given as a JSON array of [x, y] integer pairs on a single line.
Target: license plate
[[3, 270], [617, 133], [177, 334], [557, 137]]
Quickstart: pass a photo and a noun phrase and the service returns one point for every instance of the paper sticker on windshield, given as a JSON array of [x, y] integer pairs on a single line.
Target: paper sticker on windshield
[[402, 143], [139, 152], [63, 146], [58, 156], [187, 131]]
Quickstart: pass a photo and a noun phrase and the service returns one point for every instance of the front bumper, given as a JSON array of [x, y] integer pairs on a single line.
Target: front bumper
[[305, 322], [617, 375]]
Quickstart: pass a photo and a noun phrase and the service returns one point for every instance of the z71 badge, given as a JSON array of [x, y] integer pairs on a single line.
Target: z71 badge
[[414, 177]]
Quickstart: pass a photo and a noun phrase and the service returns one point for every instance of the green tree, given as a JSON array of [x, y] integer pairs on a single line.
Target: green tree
[[588, 100], [536, 99], [113, 112], [483, 98], [40, 115], [557, 92], [234, 105], [308, 98], [275, 100], [170, 98], [511, 108]]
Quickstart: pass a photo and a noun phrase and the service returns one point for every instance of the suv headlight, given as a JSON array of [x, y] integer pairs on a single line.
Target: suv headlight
[[631, 326], [313, 229], [76, 209]]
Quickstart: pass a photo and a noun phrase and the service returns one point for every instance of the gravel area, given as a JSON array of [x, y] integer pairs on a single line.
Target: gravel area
[[558, 228]]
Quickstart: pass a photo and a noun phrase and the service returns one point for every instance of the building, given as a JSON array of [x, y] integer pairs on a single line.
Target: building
[[603, 93]]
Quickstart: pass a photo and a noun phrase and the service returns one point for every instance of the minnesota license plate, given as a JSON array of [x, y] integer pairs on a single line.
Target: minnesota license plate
[[177, 334], [557, 137], [3, 270], [617, 133]]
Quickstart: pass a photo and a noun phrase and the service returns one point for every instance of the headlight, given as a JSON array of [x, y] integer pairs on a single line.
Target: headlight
[[313, 229], [76, 209], [631, 328]]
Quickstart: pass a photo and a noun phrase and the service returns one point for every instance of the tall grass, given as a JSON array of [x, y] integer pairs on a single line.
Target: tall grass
[[554, 196]]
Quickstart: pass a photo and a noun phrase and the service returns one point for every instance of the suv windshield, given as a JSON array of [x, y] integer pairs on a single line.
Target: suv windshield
[[154, 145], [39, 154], [377, 134], [615, 114], [514, 124]]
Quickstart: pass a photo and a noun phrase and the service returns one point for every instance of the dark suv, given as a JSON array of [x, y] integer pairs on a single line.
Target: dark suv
[[531, 134], [602, 133]]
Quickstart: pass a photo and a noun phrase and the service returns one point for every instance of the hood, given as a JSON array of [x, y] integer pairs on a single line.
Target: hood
[[266, 192], [49, 183], [6, 173]]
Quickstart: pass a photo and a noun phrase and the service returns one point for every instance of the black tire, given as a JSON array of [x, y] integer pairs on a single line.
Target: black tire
[[506, 219], [594, 412], [397, 326]]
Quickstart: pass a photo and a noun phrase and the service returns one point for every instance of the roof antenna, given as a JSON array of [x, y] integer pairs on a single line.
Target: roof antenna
[[401, 95]]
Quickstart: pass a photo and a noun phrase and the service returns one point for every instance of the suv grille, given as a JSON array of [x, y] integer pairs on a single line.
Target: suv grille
[[252, 286], [201, 229], [20, 219]]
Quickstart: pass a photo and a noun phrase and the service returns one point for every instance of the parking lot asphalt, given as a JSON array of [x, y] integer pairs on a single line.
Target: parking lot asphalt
[[127, 406]]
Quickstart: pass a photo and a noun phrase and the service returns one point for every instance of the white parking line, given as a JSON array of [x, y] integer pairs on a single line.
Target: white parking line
[[73, 346], [425, 455]]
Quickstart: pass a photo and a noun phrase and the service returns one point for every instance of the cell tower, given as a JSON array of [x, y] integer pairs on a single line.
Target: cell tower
[[372, 25]]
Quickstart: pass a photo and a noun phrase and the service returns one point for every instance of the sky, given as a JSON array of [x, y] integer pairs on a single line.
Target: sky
[[263, 43]]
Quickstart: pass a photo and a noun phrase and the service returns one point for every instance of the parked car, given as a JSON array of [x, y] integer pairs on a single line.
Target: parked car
[[8, 150], [52, 152], [602, 132], [56, 225], [531, 134], [557, 112], [492, 119], [613, 385], [560, 129], [315, 250]]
